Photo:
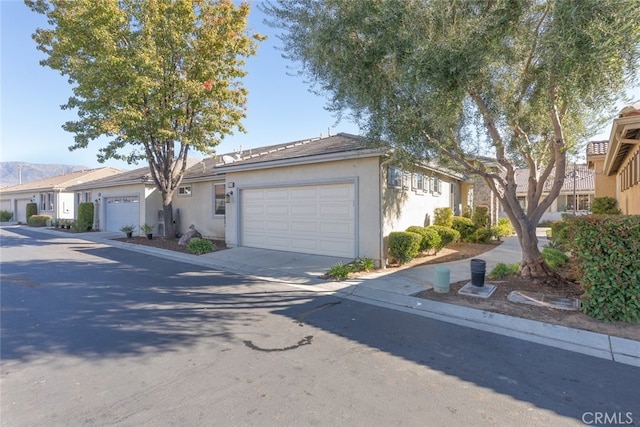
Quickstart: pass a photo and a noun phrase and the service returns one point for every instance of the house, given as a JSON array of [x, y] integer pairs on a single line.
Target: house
[[576, 194], [128, 198], [621, 167], [596, 152], [51, 194], [336, 196]]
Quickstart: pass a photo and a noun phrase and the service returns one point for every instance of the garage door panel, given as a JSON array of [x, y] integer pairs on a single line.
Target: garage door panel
[[121, 211], [316, 219]]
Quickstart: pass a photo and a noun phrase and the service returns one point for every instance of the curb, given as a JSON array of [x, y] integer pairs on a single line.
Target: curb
[[603, 346]]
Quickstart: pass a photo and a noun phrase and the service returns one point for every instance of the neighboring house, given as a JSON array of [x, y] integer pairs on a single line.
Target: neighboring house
[[51, 194], [576, 194], [329, 196], [622, 161], [596, 152], [129, 198]]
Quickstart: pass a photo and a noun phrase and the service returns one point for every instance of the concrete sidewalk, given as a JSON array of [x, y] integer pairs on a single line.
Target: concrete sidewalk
[[393, 289]]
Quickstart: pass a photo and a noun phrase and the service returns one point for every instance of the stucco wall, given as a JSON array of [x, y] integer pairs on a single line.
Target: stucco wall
[[363, 172], [198, 209], [629, 199], [605, 185], [149, 197]]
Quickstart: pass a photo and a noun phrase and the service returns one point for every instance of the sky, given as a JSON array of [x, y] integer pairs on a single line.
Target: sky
[[280, 107]]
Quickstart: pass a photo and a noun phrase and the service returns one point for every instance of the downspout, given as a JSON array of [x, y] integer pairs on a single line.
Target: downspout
[[382, 259]]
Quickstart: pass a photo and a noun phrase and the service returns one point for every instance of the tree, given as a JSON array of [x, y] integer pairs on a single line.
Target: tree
[[522, 80], [157, 77]]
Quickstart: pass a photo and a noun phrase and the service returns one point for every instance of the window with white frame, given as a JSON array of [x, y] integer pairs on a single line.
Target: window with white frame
[[394, 177], [436, 185], [184, 190], [46, 201], [419, 183], [219, 203], [406, 180], [83, 197]]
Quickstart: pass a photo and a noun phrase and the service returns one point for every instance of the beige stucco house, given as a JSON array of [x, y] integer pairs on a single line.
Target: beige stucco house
[[52, 194], [128, 198], [330, 196], [621, 167]]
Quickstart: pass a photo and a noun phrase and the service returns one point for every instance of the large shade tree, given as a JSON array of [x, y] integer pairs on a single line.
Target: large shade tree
[[158, 78], [521, 80]]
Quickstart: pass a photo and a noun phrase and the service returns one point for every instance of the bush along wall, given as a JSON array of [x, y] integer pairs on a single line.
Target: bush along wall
[[85, 216], [38, 220], [404, 246], [608, 251], [32, 209]]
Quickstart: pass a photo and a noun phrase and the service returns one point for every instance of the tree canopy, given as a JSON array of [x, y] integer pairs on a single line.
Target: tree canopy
[[522, 80], [156, 77]]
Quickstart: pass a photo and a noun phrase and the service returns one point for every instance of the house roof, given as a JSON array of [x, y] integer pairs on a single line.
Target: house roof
[[596, 148], [63, 182], [136, 176], [625, 133], [341, 143], [584, 181]]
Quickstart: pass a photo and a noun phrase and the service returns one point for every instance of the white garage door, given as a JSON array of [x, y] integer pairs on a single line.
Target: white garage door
[[313, 219], [121, 211], [21, 210]]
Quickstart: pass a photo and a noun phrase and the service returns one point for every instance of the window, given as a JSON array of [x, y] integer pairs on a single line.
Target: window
[[83, 197], [406, 180], [46, 201], [394, 177], [419, 187], [219, 205], [184, 190], [435, 185]]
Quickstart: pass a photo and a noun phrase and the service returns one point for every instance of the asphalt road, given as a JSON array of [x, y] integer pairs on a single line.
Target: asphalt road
[[94, 335]]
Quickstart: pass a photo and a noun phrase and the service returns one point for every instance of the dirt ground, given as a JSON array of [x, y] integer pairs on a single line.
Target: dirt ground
[[497, 303]]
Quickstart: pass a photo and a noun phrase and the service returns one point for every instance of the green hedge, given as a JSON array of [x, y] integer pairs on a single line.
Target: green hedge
[[447, 236], [443, 217], [480, 216], [38, 220], [464, 226], [32, 209], [430, 238], [85, 216], [404, 246], [608, 251], [605, 205], [5, 216]]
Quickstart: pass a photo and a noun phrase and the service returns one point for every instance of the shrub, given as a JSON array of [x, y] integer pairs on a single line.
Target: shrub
[[560, 234], [443, 217], [38, 220], [430, 238], [546, 223], [363, 264], [482, 235], [339, 271], [502, 270], [404, 246], [5, 216], [447, 236], [480, 216], [605, 205], [464, 226], [554, 258], [467, 212], [607, 249], [85, 216], [503, 229], [200, 246], [32, 209]]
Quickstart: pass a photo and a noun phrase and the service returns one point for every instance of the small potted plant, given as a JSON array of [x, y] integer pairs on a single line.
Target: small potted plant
[[128, 230], [148, 230]]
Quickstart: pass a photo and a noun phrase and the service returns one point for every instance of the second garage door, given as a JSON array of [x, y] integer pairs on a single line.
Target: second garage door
[[313, 219]]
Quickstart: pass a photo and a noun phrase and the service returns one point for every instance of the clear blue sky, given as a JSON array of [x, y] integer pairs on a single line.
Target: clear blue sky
[[280, 109]]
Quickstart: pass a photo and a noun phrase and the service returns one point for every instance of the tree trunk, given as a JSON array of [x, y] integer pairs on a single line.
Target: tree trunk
[[167, 210], [533, 266]]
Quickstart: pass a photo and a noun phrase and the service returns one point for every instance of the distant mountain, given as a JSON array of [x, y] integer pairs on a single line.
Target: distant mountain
[[12, 173]]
